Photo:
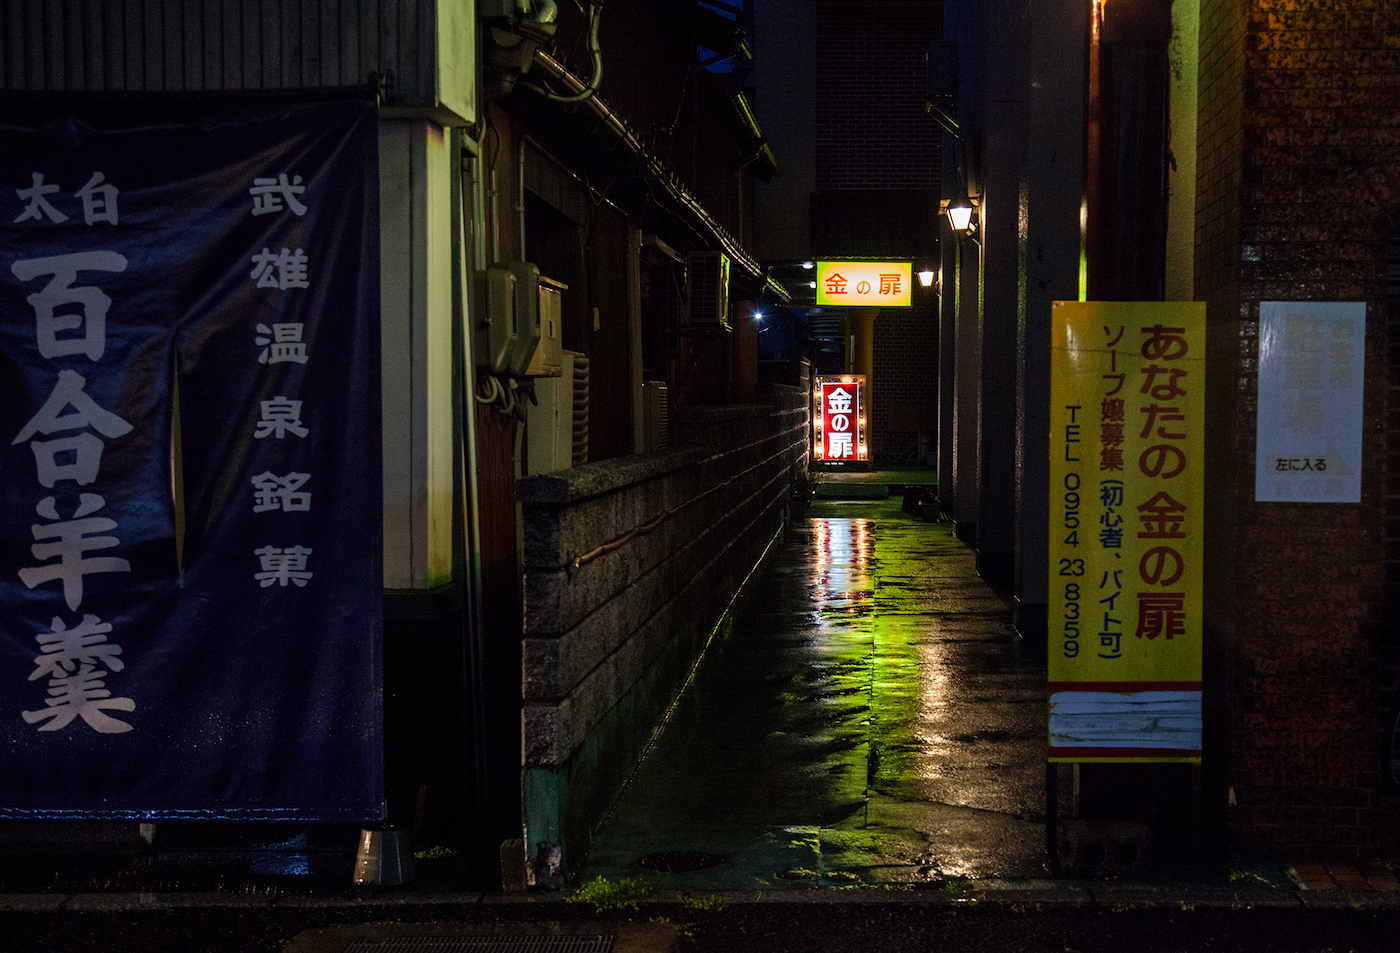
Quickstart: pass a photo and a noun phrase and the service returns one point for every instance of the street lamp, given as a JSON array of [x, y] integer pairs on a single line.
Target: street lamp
[[960, 211]]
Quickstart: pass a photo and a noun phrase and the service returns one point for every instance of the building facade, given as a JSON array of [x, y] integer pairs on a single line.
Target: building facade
[[558, 544], [1235, 154], [580, 516]]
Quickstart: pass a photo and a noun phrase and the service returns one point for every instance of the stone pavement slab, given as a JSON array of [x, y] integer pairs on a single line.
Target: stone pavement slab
[[871, 718]]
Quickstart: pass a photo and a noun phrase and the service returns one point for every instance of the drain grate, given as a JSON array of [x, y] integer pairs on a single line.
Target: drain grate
[[584, 943]]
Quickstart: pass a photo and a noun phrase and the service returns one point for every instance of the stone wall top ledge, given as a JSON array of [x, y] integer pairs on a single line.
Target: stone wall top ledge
[[717, 413], [605, 476]]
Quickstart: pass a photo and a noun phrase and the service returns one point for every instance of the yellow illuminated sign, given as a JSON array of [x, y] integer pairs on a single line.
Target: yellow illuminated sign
[[877, 284], [1127, 460]]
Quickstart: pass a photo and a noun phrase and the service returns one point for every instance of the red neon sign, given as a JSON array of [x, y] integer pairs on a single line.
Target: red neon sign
[[840, 419]]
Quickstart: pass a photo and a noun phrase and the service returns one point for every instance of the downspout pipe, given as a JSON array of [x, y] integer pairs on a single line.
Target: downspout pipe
[[762, 150], [664, 177], [520, 198]]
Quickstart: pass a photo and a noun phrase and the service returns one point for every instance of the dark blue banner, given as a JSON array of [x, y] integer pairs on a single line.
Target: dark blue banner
[[190, 476]]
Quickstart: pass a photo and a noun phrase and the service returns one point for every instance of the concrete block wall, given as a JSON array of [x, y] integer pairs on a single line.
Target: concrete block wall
[[1299, 187], [630, 564]]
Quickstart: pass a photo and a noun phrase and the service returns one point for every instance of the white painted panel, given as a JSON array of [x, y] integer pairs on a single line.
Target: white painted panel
[[456, 66], [1151, 719], [432, 322], [416, 259], [396, 341]]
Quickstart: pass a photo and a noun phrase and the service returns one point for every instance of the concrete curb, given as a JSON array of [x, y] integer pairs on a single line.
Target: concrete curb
[[1034, 895]]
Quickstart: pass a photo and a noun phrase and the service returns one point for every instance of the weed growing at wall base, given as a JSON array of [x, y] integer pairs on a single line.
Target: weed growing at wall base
[[604, 894]]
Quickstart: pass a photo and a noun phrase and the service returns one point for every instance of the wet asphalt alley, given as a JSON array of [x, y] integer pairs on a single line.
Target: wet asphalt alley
[[870, 717]]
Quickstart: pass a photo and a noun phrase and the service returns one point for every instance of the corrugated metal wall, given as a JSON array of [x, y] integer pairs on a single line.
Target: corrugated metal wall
[[191, 45]]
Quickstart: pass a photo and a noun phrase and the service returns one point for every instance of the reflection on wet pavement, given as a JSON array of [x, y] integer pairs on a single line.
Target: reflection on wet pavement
[[869, 719]]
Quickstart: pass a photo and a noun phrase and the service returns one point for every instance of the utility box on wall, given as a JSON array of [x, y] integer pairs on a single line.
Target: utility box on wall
[[549, 354], [510, 331]]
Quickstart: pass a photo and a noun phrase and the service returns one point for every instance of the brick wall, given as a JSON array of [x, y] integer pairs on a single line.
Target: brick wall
[[874, 136], [1388, 660], [662, 542], [873, 130], [906, 380], [1220, 136], [1299, 168]]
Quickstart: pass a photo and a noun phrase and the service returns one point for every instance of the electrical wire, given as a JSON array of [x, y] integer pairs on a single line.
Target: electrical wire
[[506, 394], [595, 52], [699, 219], [493, 391]]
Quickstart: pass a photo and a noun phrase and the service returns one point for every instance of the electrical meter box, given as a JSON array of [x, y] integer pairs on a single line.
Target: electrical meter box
[[507, 338], [548, 359]]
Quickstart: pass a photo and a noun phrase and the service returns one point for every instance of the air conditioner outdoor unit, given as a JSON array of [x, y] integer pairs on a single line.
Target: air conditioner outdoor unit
[[707, 289], [656, 416], [556, 428], [580, 431]]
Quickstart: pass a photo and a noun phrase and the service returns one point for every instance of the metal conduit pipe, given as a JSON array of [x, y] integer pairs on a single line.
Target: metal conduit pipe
[[520, 199], [659, 172]]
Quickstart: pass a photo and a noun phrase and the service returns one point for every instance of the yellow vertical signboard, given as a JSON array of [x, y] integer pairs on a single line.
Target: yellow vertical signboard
[[1127, 416]]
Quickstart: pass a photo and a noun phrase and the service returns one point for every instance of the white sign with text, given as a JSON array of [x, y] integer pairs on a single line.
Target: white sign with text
[[1311, 372]]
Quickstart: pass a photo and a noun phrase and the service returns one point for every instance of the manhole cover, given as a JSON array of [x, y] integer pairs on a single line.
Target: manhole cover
[[595, 943], [680, 861]]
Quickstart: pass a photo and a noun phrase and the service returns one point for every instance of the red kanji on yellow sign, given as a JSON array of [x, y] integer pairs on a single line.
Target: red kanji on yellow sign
[[1127, 398], [878, 284]]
